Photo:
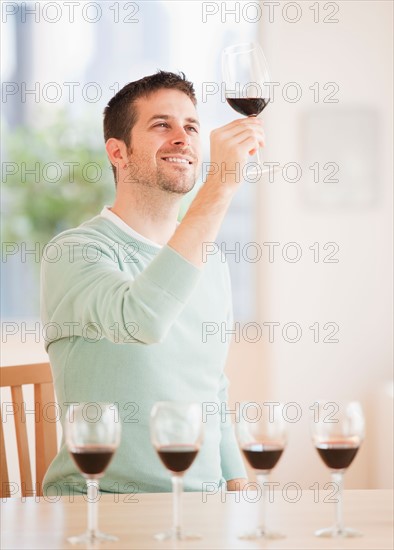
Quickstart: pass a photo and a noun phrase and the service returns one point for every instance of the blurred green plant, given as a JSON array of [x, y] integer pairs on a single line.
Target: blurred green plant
[[57, 177]]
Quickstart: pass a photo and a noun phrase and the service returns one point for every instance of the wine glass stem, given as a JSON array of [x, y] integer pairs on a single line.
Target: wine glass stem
[[262, 479], [257, 153], [337, 479], [93, 495], [258, 159], [177, 486]]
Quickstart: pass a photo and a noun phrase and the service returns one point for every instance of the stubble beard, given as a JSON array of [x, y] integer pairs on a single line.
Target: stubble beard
[[178, 183]]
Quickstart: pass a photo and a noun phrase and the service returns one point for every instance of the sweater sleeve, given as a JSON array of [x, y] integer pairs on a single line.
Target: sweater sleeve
[[99, 300], [230, 455], [231, 460]]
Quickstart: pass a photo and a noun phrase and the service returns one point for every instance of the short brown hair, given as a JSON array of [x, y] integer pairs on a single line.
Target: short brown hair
[[120, 114]]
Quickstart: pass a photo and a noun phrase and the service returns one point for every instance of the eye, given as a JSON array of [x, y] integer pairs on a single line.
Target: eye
[[161, 125], [193, 128]]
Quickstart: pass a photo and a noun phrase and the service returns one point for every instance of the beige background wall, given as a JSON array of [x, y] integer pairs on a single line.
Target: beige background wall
[[356, 292]]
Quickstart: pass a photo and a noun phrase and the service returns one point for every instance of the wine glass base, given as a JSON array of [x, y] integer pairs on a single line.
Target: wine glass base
[[91, 538], [333, 532], [261, 534], [172, 535]]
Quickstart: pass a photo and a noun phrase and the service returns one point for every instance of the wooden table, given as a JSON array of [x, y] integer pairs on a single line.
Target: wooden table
[[38, 523]]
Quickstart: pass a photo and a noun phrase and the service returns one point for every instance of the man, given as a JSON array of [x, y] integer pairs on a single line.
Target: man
[[132, 286]]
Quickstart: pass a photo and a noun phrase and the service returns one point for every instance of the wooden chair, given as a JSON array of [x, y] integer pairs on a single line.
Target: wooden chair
[[45, 427]]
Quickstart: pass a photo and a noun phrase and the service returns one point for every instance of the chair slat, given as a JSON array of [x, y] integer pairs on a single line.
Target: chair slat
[[36, 373], [46, 442], [5, 484], [40, 375], [22, 441]]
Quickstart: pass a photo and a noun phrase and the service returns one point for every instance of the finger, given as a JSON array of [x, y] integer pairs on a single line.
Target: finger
[[251, 122], [249, 141], [245, 120], [237, 139], [239, 130]]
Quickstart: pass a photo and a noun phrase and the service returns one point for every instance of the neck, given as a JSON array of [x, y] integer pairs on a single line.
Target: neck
[[151, 212]]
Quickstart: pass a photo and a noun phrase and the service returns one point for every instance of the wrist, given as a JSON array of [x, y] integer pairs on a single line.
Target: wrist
[[220, 186], [236, 484]]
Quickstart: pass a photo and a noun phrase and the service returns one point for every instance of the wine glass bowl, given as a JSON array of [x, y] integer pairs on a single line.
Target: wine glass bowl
[[262, 439], [337, 437], [177, 458], [246, 80], [246, 75], [338, 454], [176, 434], [92, 461], [92, 443], [263, 456]]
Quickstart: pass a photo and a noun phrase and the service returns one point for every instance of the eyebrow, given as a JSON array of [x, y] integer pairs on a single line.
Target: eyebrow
[[167, 117]]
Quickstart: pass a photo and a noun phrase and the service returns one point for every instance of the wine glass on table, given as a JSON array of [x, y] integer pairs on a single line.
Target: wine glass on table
[[176, 434], [92, 437], [262, 437], [337, 435], [246, 79]]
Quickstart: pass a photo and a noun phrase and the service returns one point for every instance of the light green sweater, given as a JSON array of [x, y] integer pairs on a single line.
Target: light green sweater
[[124, 323]]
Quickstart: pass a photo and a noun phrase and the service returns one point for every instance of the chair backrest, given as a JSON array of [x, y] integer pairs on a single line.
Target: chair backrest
[[45, 427]]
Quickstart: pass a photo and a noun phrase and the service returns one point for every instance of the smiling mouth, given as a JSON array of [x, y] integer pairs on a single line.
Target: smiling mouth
[[177, 160]]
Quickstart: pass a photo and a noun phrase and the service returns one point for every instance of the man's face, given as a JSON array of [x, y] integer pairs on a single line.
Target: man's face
[[165, 142]]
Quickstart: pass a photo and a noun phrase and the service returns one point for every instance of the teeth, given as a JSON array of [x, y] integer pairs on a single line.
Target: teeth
[[173, 159]]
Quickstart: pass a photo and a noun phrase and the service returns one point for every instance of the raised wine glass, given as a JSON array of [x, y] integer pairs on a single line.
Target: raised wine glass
[[246, 79], [262, 437], [337, 433], [176, 434], [92, 437]]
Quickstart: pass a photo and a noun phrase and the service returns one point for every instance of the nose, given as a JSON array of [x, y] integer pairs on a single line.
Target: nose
[[180, 137]]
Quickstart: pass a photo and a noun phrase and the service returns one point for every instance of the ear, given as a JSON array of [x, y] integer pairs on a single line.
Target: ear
[[117, 152]]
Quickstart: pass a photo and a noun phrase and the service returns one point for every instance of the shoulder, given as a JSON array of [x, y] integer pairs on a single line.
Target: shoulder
[[89, 243], [97, 233], [97, 228]]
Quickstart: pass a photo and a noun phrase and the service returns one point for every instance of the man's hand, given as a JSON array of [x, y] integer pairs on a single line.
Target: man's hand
[[231, 146], [236, 484]]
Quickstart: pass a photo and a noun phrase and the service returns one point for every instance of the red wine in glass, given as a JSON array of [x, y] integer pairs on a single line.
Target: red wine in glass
[[248, 106], [262, 456], [246, 77], [176, 434], [92, 460], [337, 440], [262, 437], [177, 458], [92, 444], [337, 455]]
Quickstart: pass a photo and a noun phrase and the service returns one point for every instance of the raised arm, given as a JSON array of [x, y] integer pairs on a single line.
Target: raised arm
[[231, 146]]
